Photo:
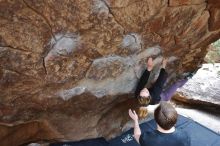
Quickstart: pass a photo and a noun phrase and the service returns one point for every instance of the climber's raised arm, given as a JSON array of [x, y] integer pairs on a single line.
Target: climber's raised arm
[[144, 78]]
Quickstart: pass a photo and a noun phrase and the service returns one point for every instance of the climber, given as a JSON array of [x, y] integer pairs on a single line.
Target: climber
[[165, 116], [156, 93], [151, 95]]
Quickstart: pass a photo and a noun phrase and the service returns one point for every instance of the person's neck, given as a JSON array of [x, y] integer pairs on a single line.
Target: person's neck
[[171, 130]]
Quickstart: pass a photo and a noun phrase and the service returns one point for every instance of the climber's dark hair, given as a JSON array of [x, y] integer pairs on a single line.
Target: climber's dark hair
[[165, 115]]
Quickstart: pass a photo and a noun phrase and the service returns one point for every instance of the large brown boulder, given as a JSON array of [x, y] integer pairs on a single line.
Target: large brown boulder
[[75, 64]]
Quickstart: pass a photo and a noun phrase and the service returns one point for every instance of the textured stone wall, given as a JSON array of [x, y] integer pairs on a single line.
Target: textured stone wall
[[203, 87], [75, 63]]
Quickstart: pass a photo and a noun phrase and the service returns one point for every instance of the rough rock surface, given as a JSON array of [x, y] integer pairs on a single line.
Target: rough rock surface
[[205, 85], [203, 90], [75, 63]]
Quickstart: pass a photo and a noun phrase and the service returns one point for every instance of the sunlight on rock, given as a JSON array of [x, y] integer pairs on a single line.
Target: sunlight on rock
[[205, 84]]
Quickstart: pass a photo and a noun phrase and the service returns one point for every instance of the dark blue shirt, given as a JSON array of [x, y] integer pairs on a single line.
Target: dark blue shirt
[[156, 138]]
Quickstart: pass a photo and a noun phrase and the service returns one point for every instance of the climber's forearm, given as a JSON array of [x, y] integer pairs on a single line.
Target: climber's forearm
[[142, 82], [137, 131]]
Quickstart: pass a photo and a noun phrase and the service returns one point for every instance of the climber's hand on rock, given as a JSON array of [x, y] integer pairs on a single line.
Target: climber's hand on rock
[[150, 64]]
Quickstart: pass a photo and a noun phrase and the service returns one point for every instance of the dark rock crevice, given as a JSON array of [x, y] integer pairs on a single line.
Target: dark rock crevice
[[16, 48], [44, 65]]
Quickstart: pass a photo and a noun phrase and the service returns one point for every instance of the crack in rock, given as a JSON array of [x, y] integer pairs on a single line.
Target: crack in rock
[[42, 16], [102, 8], [16, 48], [44, 66]]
